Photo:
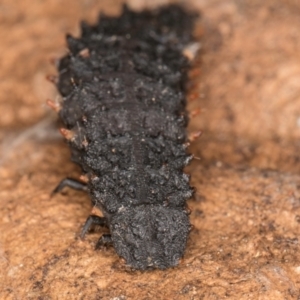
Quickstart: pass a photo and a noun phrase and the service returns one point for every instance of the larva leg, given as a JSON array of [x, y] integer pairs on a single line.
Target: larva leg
[[72, 183], [105, 240], [92, 220]]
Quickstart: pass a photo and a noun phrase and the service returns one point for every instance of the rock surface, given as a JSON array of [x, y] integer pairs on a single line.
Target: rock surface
[[246, 213]]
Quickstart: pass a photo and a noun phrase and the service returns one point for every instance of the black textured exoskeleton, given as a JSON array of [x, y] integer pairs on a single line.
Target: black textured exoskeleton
[[123, 109]]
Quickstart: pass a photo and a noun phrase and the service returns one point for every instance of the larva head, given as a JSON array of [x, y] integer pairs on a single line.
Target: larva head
[[150, 236]]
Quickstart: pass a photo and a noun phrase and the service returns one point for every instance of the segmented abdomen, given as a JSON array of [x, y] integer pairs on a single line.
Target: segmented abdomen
[[123, 85]]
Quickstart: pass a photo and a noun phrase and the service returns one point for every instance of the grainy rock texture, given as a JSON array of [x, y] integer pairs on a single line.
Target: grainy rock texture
[[246, 214]]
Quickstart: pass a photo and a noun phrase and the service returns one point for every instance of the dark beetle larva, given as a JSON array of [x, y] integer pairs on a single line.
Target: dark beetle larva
[[123, 110]]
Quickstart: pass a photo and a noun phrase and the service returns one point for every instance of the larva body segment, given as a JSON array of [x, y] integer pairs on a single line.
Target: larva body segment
[[123, 100]]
